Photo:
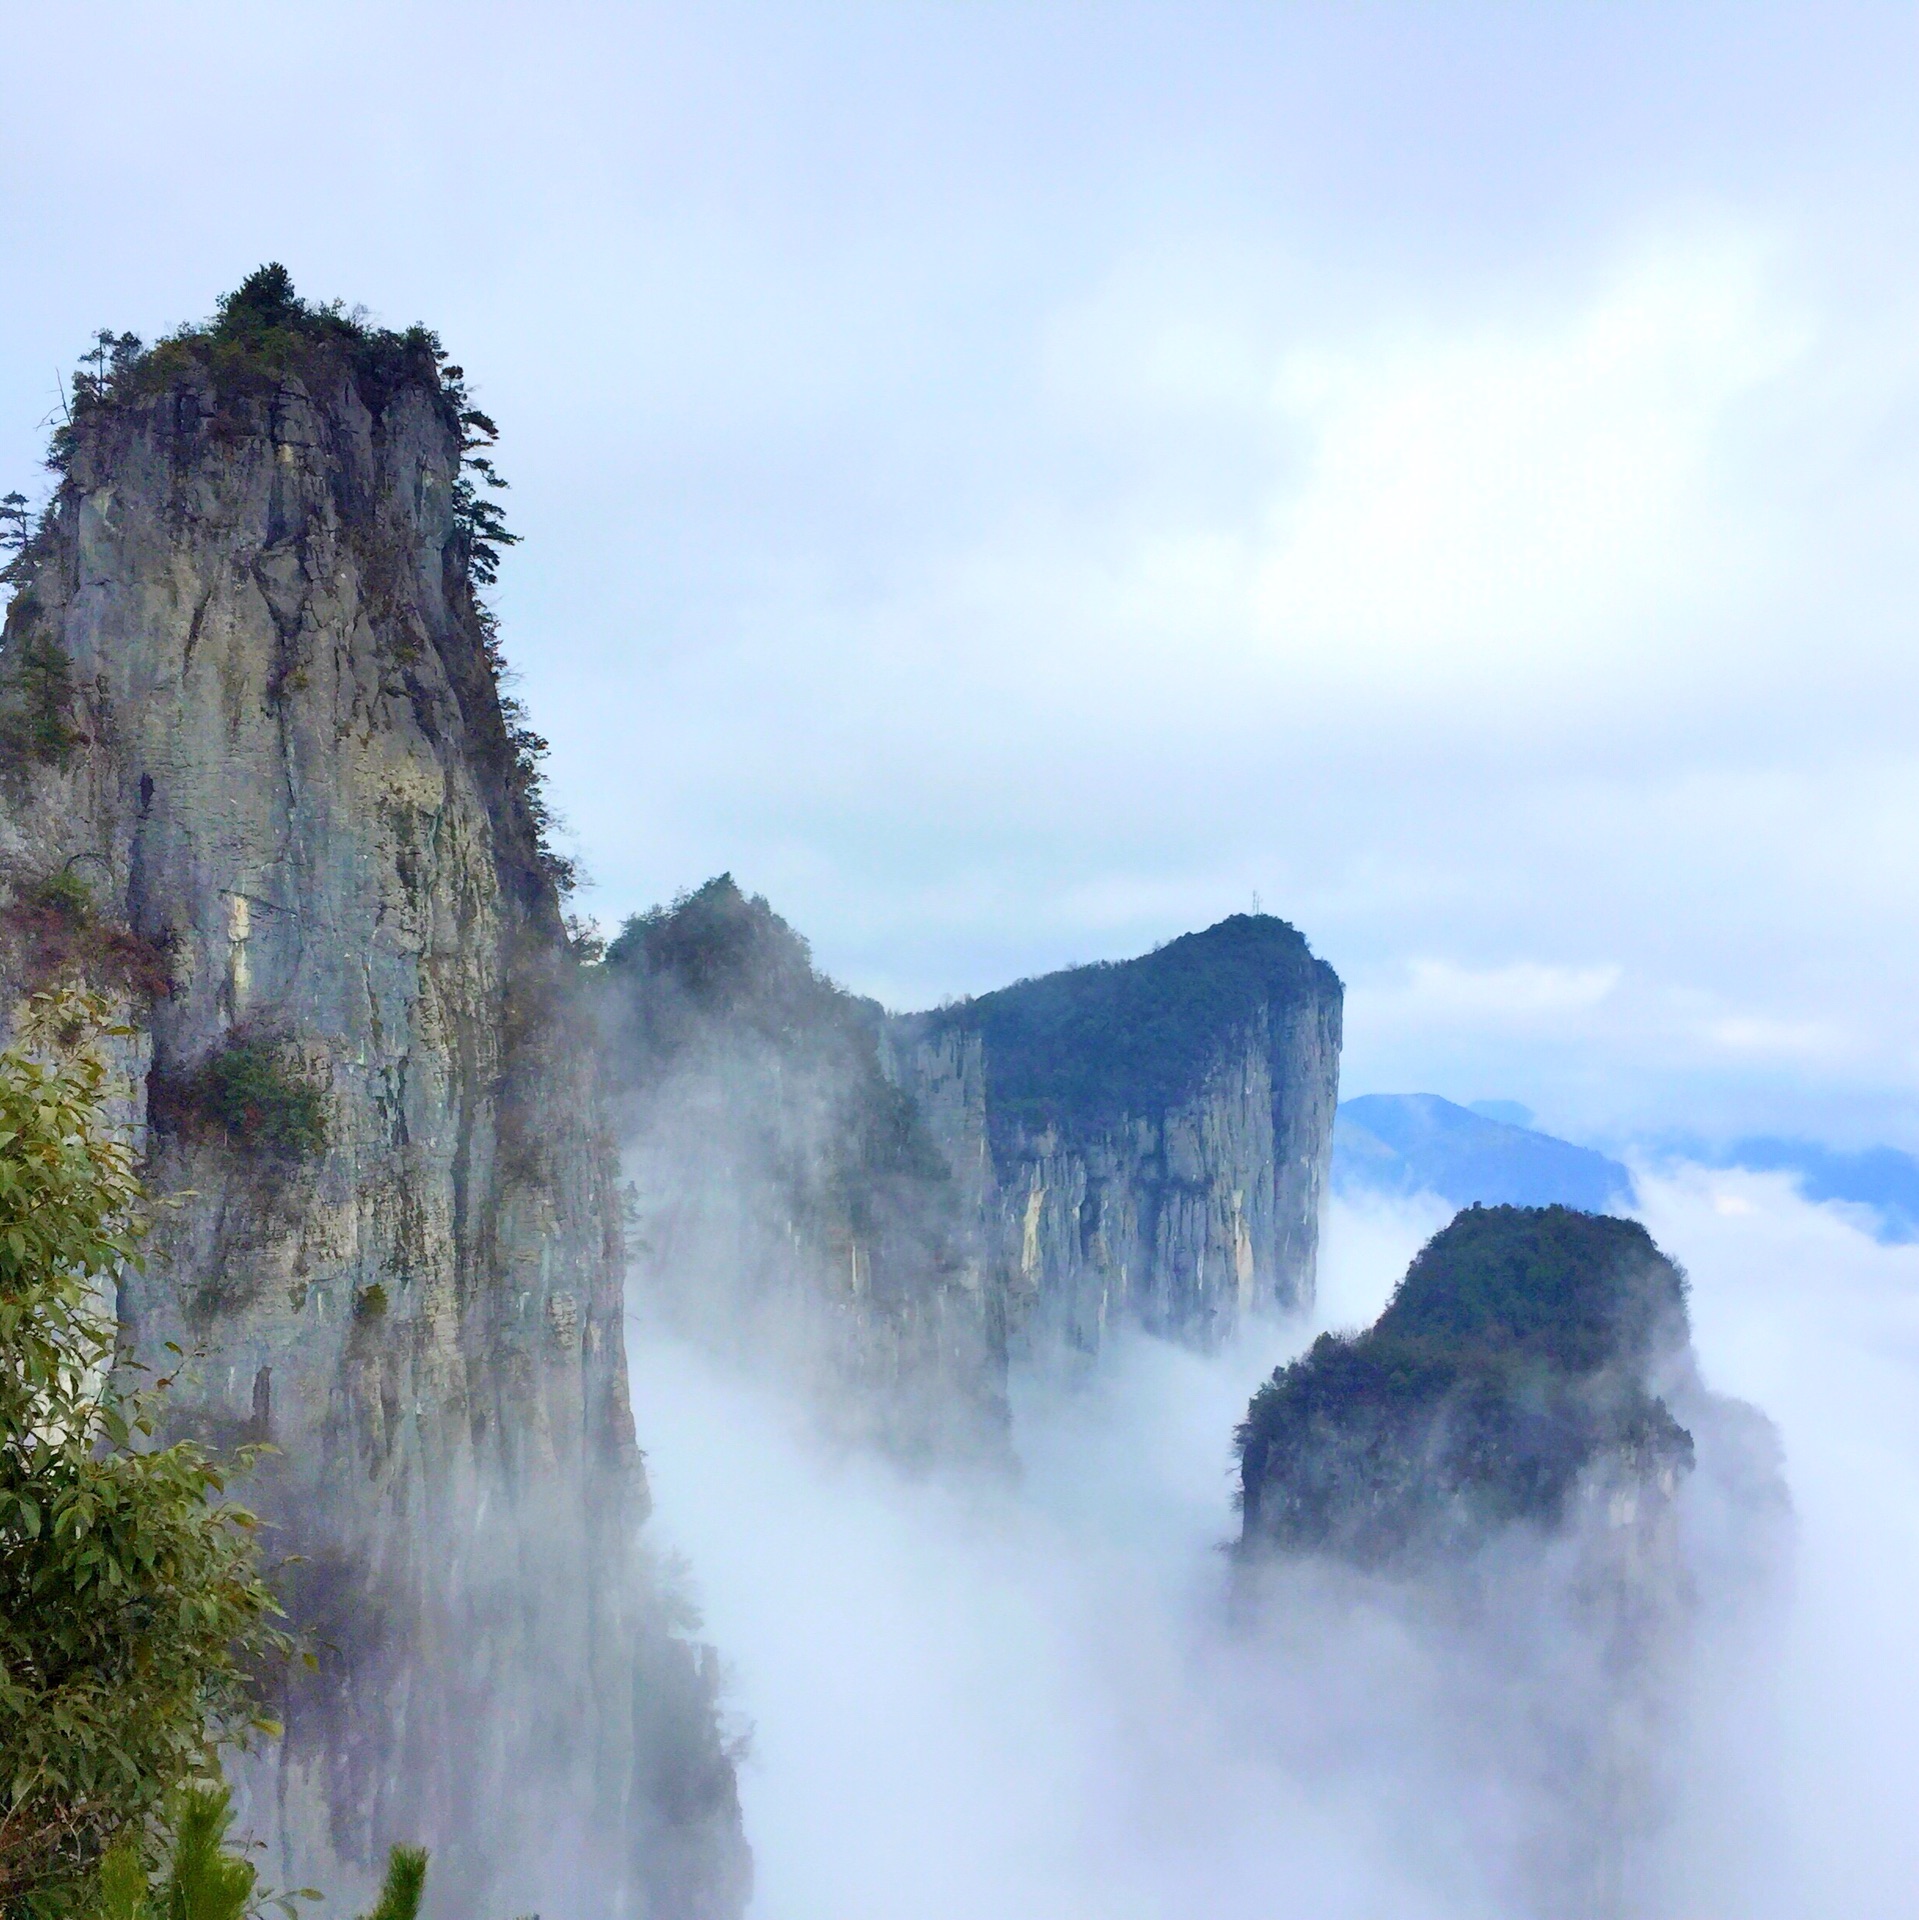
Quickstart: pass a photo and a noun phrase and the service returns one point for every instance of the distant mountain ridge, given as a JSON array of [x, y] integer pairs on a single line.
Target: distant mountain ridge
[[1402, 1144], [1882, 1180], [1408, 1143]]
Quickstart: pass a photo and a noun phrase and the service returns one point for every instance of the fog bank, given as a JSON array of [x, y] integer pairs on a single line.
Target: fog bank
[[982, 1702]]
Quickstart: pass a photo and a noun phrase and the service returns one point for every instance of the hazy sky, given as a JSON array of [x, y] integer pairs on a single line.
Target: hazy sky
[[1013, 483]]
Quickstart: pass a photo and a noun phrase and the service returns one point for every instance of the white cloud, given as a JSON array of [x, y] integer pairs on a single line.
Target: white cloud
[[1484, 505], [1017, 1703], [1535, 492], [1010, 493], [1520, 993], [1754, 1034]]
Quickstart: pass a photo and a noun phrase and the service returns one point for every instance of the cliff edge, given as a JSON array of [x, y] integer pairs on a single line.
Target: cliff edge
[[1144, 1142], [260, 784]]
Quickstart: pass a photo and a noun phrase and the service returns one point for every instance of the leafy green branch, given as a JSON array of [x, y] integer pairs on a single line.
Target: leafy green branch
[[133, 1612]]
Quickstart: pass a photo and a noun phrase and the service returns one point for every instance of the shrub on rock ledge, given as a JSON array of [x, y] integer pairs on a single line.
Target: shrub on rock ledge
[[255, 1097]]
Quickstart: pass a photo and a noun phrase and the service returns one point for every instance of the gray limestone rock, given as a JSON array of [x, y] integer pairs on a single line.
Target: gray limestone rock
[[1144, 1143], [272, 748]]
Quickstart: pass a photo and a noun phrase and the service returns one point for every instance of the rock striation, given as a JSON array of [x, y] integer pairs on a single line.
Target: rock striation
[[261, 786], [1144, 1143]]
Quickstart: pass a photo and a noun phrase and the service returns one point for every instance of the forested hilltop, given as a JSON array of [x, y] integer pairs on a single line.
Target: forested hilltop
[[1146, 1142], [1520, 1350], [1077, 1052]]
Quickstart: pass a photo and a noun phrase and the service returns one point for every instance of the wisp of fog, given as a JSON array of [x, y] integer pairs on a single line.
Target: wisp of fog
[[1036, 1700]]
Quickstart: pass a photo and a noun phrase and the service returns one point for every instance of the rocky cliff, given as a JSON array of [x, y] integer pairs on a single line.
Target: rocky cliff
[[891, 1207], [260, 785], [1520, 1468], [1143, 1143], [789, 1206]]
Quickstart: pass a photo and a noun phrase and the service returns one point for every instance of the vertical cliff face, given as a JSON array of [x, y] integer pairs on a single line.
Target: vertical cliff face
[[790, 1208], [1144, 1143], [260, 784], [889, 1206]]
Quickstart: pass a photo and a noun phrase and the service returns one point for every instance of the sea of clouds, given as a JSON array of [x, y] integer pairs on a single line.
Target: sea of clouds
[[1035, 1702]]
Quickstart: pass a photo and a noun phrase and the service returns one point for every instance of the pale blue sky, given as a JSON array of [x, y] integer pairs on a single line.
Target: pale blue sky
[[1012, 483]]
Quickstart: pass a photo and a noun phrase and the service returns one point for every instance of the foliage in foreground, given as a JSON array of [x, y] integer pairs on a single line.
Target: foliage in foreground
[[205, 1879], [131, 1604], [405, 1883]]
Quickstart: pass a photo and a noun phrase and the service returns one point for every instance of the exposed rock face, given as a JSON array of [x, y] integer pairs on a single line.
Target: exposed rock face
[[271, 746], [1499, 1465], [888, 1205], [790, 1207], [1142, 1143]]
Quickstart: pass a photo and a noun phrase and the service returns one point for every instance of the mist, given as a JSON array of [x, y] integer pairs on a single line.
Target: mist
[[1036, 1698]]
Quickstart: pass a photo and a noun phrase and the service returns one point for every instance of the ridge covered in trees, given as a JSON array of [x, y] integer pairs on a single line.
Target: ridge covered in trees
[[1081, 1049]]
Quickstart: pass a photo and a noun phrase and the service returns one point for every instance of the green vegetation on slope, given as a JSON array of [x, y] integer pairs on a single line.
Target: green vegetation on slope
[[52, 933], [1577, 1291], [1513, 1354], [250, 1093], [36, 703], [132, 1611], [1084, 1049], [717, 959], [263, 334], [723, 954]]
